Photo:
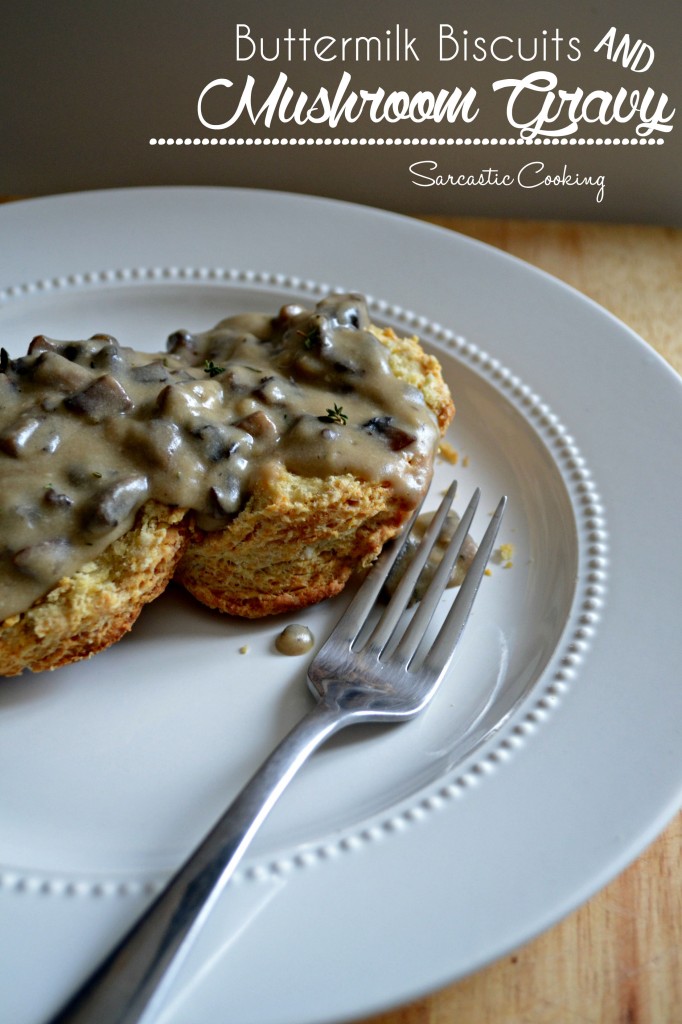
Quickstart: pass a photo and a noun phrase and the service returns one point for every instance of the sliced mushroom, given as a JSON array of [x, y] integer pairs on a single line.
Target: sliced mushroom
[[151, 373], [114, 504], [227, 496], [219, 441], [109, 357], [270, 391], [350, 311], [15, 439], [60, 373], [182, 343], [260, 426], [41, 344], [384, 427], [156, 441], [105, 397], [44, 560], [241, 380], [57, 499]]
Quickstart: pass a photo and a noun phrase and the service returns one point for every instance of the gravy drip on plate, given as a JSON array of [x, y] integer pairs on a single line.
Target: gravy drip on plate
[[295, 639], [91, 430]]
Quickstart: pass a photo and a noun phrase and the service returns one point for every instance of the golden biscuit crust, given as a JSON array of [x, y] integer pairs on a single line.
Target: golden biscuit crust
[[96, 606], [414, 366], [296, 542]]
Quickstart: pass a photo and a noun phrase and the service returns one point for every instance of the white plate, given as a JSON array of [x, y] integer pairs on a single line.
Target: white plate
[[405, 858]]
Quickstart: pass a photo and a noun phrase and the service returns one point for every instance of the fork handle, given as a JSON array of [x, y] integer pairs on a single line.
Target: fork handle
[[134, 976]]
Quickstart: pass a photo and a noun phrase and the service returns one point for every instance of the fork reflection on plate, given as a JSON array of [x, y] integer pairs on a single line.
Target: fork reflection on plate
[[366, 671]]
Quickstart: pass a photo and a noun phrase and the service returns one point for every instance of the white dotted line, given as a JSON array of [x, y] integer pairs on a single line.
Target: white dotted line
[[401, 142]]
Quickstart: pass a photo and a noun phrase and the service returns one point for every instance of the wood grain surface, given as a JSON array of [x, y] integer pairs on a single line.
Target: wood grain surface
[[618, 959]]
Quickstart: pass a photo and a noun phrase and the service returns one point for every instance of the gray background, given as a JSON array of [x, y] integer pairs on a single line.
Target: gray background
[[85, 85]]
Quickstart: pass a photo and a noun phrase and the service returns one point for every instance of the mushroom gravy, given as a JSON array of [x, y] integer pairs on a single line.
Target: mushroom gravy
[[91, 430]]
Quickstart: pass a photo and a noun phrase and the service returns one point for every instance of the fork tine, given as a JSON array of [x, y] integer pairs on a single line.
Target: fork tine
[[398, 603], [414, 633], [365, 598], [443, 648]]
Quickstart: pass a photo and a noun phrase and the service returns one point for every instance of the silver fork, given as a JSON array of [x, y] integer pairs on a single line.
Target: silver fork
[[363, 673]]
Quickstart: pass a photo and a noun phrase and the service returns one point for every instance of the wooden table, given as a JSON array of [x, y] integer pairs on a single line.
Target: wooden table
[[618, 959]]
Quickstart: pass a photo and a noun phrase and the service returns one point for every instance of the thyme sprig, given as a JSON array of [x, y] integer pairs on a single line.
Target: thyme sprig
[[335, 415], [211, 369], [310, 337]]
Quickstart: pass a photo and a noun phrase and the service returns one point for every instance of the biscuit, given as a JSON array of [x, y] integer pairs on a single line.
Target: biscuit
[[260, 464]]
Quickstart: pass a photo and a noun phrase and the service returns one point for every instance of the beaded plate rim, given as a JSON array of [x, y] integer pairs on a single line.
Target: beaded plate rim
[[533, 710]]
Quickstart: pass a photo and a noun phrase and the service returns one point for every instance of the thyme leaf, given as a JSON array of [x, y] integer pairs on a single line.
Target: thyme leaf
[[335, 415], [310, 338], [211, 369]]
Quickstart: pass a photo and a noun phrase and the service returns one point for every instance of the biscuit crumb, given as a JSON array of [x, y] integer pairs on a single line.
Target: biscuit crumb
[[503, 556], [447, 452]]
